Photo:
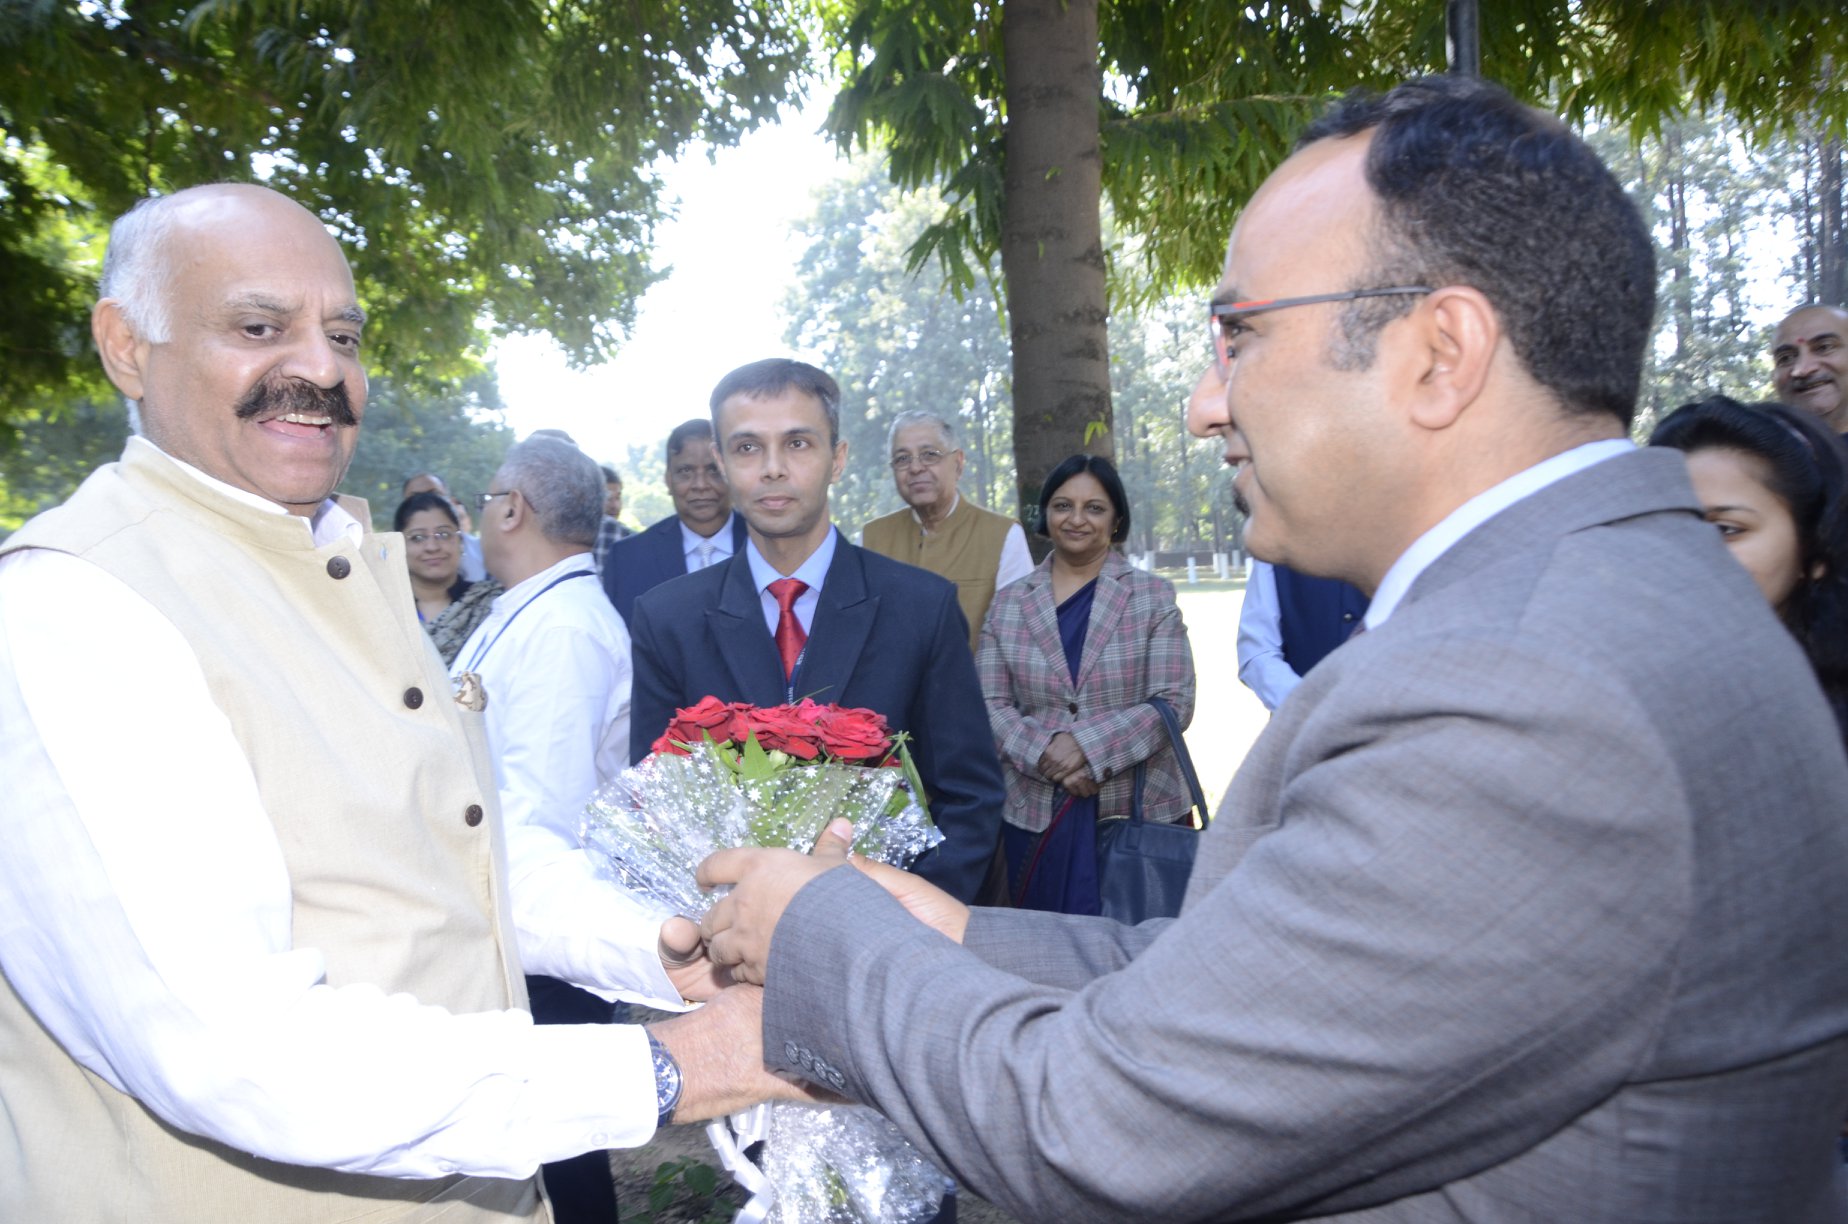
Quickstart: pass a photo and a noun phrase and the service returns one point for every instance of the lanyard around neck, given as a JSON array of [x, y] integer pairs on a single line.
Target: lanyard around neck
[[481, 652]]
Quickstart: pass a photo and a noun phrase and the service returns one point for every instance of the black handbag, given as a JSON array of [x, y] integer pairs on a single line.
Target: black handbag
[[1143, 866]]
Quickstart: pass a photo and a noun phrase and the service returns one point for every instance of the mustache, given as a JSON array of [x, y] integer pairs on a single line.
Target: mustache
[[1800, 385], [1240, 504], [274, 397]]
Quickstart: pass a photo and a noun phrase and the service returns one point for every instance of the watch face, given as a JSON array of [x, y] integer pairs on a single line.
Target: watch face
[[667, 1080]]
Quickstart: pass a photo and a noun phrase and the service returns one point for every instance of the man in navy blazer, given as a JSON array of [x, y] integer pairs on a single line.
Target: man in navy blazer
[[862, 630], [701, 532]]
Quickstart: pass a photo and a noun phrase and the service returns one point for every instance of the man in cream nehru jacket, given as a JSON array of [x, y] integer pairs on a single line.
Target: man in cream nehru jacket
[[254, 920]]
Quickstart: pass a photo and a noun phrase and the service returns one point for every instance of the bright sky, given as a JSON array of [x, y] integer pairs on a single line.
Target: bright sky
[[732, 253]]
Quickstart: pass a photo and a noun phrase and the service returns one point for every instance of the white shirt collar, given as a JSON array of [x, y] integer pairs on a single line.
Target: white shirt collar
[[1478, 510], [330, 522], [916, 518], [524, 590], [813, 571], [721, 541]]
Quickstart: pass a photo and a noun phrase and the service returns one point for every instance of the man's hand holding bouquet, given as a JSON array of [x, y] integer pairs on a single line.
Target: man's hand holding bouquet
[[730, 778]]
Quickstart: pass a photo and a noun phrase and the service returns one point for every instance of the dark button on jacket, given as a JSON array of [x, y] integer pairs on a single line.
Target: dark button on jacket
[[338, 567], [413, 697], [472, 815]]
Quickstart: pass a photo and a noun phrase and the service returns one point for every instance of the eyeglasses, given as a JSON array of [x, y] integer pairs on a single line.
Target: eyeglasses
[[417, 539], [1223, 319], [928, 457], [482, 499]]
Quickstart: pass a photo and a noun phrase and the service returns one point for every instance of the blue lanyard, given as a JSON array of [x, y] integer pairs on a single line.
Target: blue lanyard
[[789, 690], [482, 653]]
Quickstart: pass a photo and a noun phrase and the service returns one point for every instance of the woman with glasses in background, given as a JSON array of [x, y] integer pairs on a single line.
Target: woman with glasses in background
[[449, 605]]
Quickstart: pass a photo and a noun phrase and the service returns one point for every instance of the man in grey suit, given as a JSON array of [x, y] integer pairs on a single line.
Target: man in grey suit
[[1530, 904]]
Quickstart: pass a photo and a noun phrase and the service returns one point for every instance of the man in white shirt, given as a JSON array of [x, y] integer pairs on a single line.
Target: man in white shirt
[[1287, 623], [254, 927], [702, 531], [940, 530], [553, 659]]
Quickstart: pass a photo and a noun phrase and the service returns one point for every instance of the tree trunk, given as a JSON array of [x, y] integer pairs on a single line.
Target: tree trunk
[[1681, 294], [1831, 237], [1052, 254]]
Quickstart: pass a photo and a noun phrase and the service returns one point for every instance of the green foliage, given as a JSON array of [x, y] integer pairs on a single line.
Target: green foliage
[[1714, 206], [897, 341], [686, 1189], [488, 163], [1180, 490], [1200, 101], [56, 453], [458, 435]]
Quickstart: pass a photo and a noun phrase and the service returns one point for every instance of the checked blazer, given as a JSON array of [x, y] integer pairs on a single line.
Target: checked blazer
[[1136, 648]]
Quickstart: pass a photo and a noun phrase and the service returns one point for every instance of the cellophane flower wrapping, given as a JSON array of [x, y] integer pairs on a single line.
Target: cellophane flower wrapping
[[733, 775]]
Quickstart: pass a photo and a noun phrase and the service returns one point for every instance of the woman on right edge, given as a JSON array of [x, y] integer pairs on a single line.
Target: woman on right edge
[[1069, 656], [1775, 482]]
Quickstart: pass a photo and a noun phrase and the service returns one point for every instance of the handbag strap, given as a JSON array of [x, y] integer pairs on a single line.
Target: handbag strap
[[1181, 757]]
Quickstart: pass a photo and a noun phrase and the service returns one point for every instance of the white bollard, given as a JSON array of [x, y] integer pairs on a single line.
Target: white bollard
[[1193, 572]]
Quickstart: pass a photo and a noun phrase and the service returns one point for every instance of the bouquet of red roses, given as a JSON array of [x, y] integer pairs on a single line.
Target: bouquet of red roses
[[725, 775]]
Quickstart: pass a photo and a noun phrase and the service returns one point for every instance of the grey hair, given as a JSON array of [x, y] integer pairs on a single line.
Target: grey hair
[[920, 416], [136, 267], [563, 485]]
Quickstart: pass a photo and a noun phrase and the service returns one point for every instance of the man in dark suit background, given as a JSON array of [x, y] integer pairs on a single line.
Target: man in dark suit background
[[1531, 904], [702, 531], [800, 612]]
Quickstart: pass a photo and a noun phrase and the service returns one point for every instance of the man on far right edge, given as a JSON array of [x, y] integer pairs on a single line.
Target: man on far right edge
[[1530, 905], [1809, 362]]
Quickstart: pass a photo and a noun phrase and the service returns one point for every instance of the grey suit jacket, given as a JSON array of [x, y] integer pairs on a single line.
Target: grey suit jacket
[[1531, 905]]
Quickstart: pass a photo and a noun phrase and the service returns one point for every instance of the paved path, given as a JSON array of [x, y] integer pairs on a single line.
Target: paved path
[[1227, 717]]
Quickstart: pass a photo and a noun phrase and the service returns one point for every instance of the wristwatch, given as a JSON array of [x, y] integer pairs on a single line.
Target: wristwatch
[[667, 1081]]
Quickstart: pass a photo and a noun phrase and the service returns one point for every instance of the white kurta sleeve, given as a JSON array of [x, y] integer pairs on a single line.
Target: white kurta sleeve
[[164, 964]]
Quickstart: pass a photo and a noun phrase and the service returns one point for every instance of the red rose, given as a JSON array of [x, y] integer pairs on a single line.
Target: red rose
[[789, 729], [854, 735], [707, 716]]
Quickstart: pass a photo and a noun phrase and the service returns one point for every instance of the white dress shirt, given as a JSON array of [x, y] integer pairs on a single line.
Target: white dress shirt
[[170, 972], [1016, 560], [1478, 510], [473, 569], [553, 657], [717, 547], [1261, 665]]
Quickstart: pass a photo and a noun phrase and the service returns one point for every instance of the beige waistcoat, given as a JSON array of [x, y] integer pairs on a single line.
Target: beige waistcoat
[[965, 548], [371, 775]]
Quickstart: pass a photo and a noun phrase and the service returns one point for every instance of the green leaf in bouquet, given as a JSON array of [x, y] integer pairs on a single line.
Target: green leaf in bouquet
[[718, 753], [754, 764], [901, 744]]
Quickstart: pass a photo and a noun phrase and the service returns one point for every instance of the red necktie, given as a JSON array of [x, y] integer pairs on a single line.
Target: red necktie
[[789, 632]]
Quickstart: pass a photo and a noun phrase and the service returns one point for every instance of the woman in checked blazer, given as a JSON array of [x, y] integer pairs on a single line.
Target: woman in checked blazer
[[1068, 657]]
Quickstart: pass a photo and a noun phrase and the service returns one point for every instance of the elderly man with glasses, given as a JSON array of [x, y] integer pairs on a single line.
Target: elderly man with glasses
[[941, 530]]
